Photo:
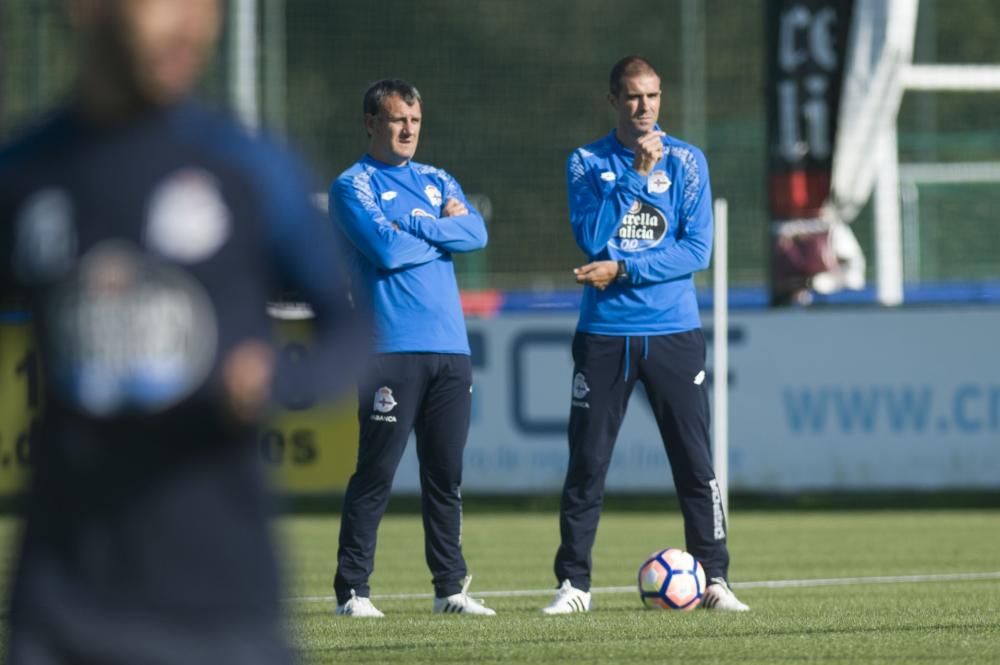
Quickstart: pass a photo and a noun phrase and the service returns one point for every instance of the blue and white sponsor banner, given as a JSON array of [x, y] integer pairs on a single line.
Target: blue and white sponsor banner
[[877, 399]]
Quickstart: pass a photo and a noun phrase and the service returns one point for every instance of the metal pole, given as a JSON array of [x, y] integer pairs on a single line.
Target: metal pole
[[888, 227], [3, 69], [720, 350], [693, 71], [909, 196], [243, 62], [40, 44], [925, 48], [274, 65]]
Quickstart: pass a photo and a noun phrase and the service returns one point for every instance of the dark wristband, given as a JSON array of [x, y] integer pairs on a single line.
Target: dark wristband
[[622, 275]]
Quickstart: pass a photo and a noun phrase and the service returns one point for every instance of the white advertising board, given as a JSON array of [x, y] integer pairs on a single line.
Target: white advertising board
[[839, 399]]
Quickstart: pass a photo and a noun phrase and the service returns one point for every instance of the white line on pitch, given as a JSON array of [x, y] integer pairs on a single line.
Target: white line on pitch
[[883, 579], [768, 584]]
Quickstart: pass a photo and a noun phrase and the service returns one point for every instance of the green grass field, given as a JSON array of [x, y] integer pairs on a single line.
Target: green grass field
[[900, 622], [886, 622]]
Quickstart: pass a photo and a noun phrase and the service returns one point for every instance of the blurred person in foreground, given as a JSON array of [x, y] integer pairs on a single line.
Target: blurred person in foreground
[[641, 210], [145, 235], [405, 220]]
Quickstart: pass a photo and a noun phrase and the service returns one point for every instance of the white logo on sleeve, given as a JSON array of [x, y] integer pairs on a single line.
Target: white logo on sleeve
[[608, 176], [433, 195], [188, 220], [658, 182], [699, 378], [46, 243], [390, 195]]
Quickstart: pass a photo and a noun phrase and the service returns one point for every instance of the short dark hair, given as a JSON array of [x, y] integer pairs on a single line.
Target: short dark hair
[[379, 90], [630, 65]]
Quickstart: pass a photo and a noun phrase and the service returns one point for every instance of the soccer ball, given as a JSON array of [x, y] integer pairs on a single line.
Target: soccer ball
[[671, 579]]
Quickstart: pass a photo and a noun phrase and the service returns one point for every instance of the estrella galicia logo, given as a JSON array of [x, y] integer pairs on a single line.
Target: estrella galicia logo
[[128, 333], [642, 227], [384, 403]]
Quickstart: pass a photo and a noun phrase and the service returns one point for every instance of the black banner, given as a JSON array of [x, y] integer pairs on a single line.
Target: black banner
[[807, 40]]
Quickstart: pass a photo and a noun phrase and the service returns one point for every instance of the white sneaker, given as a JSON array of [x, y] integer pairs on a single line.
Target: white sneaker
[[718, 596], [461, 603], [359, 607], [568, 599]]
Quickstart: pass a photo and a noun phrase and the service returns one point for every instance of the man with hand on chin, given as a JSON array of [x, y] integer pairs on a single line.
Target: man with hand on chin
[[405, 220], [641, 211]]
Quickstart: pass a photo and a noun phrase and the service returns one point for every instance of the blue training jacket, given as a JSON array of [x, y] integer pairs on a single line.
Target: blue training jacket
[[660, 225], [392, 217], [146, 250]]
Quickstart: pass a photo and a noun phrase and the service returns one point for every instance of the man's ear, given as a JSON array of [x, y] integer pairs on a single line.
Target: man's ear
[[613, 100], [370, 123]]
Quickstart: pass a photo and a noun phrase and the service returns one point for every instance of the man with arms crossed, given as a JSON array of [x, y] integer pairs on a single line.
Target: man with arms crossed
[[405, 220], [640, 208]]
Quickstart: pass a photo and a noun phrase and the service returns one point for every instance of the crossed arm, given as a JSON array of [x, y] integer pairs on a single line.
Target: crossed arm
[[460, 228], [410, 240]]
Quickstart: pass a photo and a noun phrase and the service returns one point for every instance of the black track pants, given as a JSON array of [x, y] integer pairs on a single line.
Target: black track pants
[[430, 394], [672, 370]]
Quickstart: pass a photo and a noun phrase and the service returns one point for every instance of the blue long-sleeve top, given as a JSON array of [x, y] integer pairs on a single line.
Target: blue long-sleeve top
[[660, 225], [403, 246], [146, 249]]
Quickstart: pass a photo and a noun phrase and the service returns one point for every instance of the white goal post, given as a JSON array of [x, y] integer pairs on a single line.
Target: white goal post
[[895, 184], [879, 70]]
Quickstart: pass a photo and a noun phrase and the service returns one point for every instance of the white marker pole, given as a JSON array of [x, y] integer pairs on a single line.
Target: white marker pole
[[720, 350]]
